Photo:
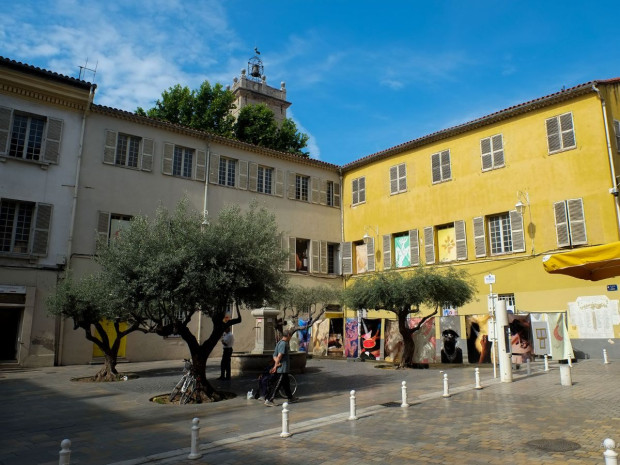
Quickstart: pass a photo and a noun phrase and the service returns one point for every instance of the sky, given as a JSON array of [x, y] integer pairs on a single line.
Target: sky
[[362, 76]]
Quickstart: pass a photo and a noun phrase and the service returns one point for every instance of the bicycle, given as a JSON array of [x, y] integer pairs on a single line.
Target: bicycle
[[292, 382], [186, 385]]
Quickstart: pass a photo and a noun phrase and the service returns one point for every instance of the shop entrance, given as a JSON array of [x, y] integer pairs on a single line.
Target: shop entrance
[[11, 311]]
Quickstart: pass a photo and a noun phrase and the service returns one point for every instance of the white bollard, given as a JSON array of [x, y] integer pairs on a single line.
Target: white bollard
[[529, 367], [565, 376], [285, 433], [611, 456], [65, 452], [352, 414], [546, 363], [403, 391], [605, 359], [477, 372], [445, 385], [194, 453]]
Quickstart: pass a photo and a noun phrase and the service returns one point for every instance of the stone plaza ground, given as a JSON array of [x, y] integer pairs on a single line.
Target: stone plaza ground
[[529, 421]]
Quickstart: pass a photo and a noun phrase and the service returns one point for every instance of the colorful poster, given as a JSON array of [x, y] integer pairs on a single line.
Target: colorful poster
[[561, 347], [393, 347], [334, 341], [402, 251], [520, 338], [351, 338], [319, 337], [303, 336], [361, 258], [479, 345], [451, 352], [424, 340], [540, 337], [446, 242], [370, 340]]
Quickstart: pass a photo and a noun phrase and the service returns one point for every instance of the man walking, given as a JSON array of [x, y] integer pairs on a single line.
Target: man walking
[[227, 343], [281, 367]]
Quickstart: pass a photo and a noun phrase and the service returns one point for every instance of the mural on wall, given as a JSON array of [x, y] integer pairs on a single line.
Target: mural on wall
[[479, 345], [424, 340], [351, 338], [450, 327], [303, 335], [334, 341], [520, 338], [370, 339], [593, 317], [319, 337]]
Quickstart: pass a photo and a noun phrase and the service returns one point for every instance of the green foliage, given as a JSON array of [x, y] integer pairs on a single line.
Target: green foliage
[[256, 125]]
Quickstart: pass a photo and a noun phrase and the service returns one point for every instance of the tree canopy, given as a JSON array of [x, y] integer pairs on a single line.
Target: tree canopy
[[406, 294], [208, 108]]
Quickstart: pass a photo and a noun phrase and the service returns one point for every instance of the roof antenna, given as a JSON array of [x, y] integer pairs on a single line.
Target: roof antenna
[[84, 69]]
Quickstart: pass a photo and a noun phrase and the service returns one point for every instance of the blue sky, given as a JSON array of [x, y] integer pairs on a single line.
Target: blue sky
[[362, 75]]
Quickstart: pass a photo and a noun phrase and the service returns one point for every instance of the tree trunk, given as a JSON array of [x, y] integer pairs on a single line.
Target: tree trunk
[[108, 371]]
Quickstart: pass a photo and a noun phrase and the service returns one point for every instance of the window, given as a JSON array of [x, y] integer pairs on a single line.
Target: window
[[264, 180], [182, 162], [332, 259], [570, 223], [110, 226], [301, 187], [492, 152], [506, 234], [440, 166], [398, 179], [117, 224], [406, 250], [445, 243], [499, 234], [359, 190], [361, 254], [29, 137], [330, 193], [127, 150], [560, 133], [510, 301], [227, 172], [24, 227]]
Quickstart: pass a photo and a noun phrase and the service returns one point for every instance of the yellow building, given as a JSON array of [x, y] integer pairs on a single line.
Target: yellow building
[[493, 196]]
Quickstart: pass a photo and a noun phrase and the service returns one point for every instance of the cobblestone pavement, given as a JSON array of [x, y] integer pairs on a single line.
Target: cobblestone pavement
[[530, 421]]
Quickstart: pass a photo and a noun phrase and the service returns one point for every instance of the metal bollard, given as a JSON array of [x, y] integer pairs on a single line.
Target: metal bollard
[[352, 415], [285, 433], [65, 452], [546, 363], [194, 453], [403, 391], [529, 367], [611, 456], [477, 373], [445, 385], [605, 359]]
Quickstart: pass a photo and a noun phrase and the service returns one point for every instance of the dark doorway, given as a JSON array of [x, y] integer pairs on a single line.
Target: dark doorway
[[10, 319]]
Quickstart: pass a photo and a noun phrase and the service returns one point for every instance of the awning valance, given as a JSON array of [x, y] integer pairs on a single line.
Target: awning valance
[[591, 263]]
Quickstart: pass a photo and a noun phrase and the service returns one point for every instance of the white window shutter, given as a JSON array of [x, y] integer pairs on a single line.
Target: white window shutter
[[315, 254], [480, 243], [516, 230], [279, 182], [148, 150], [436, 167], [5, 129], [291, 185], [429, 245], [253, 177], [553, 134], [414, 247], [201, 165], [42, 225], [314, 183], [461, 240], [323, 258], [568, 131], [242, 181], [370, 250], [362, 189], [387, 251], [347, 258], [53, 138], [337, 195], [402, 177], [109, 149], [446, 169], [355, 186], [166, 167], [292, 257], [486, 153], [498, 151], [214, 168], [103, 227], [393, 180], [561, 224], [577, 222]]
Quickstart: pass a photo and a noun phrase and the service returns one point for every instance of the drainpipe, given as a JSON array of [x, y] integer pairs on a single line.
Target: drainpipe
[[76, 184], [609, 153]]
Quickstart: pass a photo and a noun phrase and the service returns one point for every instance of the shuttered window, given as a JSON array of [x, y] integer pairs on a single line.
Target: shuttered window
[[387, 251], [480, 244], [461, 240], [429, 245], [264, 179], [347, 258], [414, 244], [560, 133], [227, 172], [492, 152], [570, 224], [440, 166], [506, 233], [24, 227], [398, 179], [128, 151], [358, 186]]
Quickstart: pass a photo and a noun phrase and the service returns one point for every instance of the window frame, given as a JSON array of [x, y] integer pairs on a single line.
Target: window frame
[[227, 172], [358, 190], [398, 178], [495, 153], [128, 138], [302, 187], [27, 152], [570, 223], [438, 166], [264, 179], [561, 133], [38, 229]]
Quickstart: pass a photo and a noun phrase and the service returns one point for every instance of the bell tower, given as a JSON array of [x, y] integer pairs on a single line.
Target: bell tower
[[251, 89]]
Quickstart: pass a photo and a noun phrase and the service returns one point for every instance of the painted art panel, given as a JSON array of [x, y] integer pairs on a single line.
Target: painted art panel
[[319, 337], [479, 345], [520, 338], [446, 244], [361, 258], [561, 347], [370, 340], [351, 338], [303, 336], [402, 251], [425, 341], [451, 350], [393, 347], [334, 341]]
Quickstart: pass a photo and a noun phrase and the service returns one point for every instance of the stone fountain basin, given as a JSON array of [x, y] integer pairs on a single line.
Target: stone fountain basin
[[245, 362]]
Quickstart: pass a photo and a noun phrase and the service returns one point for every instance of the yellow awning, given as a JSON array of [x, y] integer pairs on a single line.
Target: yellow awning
[[591, 263]]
